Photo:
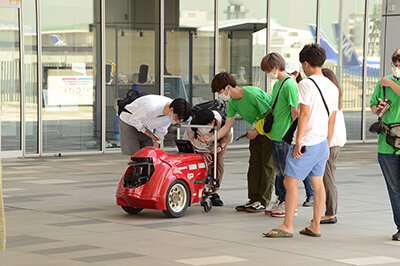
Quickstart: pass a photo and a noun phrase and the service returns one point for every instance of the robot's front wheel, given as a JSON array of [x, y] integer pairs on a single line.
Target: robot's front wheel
[[207, 205], [177, 199]]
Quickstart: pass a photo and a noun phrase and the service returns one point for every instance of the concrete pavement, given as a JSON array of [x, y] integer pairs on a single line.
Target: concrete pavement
[[62, 211]]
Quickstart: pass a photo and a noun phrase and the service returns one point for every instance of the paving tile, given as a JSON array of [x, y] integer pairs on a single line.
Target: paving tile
[[108, 257], [51, 181], [114, 184], [76, 223], [27, 240], [77, 210], [165, 224], [379, 260], [211, 260], [67, 249]]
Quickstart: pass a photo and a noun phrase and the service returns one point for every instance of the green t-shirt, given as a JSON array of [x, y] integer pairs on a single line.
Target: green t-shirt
[[391, 116], [252, 106], [288, 97]]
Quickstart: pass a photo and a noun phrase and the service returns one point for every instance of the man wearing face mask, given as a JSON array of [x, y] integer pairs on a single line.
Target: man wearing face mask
[[207, 117], [251, 104], [146, 121], [389, 161], [285, 112]]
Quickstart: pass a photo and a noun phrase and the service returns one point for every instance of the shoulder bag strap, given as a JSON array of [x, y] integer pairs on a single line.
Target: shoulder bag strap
[[273, 106], [326, 106], [384, 92]]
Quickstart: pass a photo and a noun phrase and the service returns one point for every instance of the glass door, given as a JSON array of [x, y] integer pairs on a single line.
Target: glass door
[[10, 80]]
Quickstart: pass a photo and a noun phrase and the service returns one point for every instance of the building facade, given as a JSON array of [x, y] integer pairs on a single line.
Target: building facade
[[80, 56]]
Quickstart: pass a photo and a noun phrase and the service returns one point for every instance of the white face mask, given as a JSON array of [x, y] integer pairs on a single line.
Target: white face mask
[[272, 75], [204, 131], [171, 118], [396, 71], [224, 97]]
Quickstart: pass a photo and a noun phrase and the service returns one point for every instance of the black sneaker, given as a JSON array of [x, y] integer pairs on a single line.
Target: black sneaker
[[216, 201], [243, 207], [256, 207], [309, 202], [396, 237]]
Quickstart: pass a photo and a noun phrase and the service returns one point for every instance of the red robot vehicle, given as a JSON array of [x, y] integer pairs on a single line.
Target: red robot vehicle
[[171, 183]]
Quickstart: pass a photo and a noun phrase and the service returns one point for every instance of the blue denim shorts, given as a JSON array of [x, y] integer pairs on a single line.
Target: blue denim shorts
[[311, 163]]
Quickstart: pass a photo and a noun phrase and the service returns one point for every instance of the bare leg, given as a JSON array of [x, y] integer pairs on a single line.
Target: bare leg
[[319, 202], [292, 199]]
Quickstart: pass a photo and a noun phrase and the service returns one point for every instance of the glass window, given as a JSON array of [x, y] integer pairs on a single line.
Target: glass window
[[292, 26], [345, 19], [242, 40], [242, 44], [189, 52], [373, 59], [71, 107], [31, 85], [10, 80], [132, 55]]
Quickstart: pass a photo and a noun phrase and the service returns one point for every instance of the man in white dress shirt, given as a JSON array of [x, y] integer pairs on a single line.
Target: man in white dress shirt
[[146, 121]]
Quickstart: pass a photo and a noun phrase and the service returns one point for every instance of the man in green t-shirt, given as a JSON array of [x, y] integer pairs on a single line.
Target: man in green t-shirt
[[390, 163], [285, 97], [251, 104]]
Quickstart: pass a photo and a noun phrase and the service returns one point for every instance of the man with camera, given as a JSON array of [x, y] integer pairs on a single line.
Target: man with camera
[[385, 102]]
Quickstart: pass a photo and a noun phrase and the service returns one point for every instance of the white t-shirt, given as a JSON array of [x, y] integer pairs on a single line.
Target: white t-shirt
[[339, 135], [147, 112], [317, 125]]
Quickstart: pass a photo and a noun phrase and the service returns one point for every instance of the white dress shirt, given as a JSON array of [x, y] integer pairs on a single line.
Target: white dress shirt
[[147, 112]]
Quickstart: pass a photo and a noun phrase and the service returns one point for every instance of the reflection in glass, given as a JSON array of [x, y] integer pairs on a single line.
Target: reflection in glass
[[242, 38], [242, 45], [373, 56], [292, 27], [31, 85], [132, 55], [71, 105], [10, 80], [342, 34], [189, 52]]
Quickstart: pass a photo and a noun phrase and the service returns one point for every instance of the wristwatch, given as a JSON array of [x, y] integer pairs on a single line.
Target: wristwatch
[[222, 148]]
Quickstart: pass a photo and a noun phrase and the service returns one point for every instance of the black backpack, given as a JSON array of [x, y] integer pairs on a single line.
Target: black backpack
[[214, 105], [131, 95]]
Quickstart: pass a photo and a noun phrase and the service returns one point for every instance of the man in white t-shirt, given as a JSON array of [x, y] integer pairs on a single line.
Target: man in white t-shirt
[[307, 156]]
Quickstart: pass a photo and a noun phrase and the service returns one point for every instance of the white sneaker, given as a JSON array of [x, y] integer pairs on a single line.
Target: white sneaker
[[272, 207], [279, 212]]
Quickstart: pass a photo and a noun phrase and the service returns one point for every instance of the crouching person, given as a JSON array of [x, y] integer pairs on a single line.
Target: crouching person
[[146, 120], [211, 118]]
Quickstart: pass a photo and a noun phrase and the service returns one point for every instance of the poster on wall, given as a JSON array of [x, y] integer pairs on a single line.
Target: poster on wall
[[69, 90], [10, 3]]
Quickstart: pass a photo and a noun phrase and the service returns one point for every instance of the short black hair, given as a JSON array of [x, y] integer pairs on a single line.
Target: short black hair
[[299, 77], [396, 56], [221, 80], [181, 108], [313, 54], [203, 116]]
